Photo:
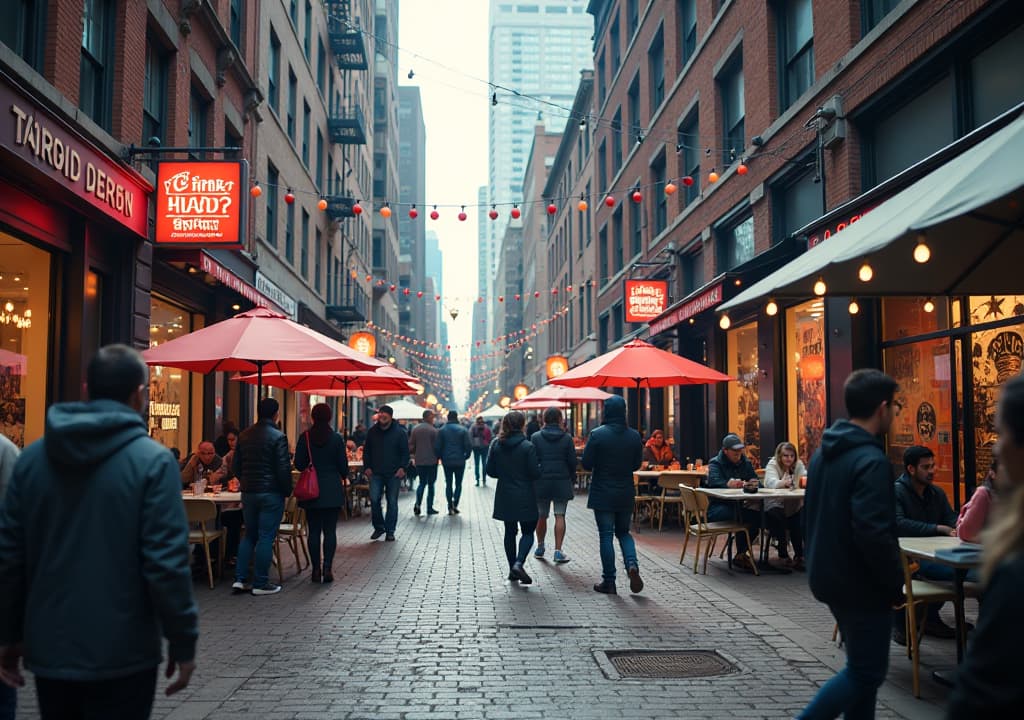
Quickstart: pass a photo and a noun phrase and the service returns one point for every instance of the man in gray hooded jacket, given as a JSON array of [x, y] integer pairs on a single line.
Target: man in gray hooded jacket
[[94, 555]]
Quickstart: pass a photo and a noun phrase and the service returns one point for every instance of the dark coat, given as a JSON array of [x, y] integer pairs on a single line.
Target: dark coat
[[331, 463], [721, 471], [95, 506], [514, 462], [920, 515], [612, 454], [853, 556], [988, 682], [386, 451], [453, 445], [557, 458], [262, 463]]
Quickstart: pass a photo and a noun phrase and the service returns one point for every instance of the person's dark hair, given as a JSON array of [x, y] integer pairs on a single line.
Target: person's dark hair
[[267, 409], [230, 427], [552, 416], [914, 454], [115, 372], [865, 390], [427, 414], [232, 431], [512, 424], [321, 431], [1011, 407], [453, 416]]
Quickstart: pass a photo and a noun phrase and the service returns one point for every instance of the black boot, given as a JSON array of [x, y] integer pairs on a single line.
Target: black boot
[[606, 586]]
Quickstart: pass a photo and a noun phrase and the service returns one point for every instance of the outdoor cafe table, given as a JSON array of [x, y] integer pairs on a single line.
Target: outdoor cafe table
[[930, 549], [221, 498], [762, 494]]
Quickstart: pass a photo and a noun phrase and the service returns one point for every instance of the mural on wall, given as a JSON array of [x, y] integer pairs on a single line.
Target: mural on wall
[[996, 356], [744, 412], [810, 385]]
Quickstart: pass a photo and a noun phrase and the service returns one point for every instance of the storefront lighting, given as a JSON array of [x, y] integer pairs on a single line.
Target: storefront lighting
[[9, 317], [819, 287], [929, 306], [772, 308], [865, 273], [236, 307], [922, 253], [854, 308], [724, 322]]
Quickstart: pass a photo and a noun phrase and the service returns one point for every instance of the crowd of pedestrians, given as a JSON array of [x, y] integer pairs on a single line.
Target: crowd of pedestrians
[[96, 462]]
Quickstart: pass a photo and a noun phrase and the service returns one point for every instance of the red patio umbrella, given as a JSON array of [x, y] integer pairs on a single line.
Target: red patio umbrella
[[639, 364], [383, 381], [559, 396], [255, 341]]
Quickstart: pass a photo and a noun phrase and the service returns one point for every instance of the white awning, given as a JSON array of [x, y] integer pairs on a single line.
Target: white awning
[[969, 211]]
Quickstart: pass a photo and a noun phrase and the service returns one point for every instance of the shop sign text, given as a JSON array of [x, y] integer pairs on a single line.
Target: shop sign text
[[704, 301], [645, 299], [200, 203]]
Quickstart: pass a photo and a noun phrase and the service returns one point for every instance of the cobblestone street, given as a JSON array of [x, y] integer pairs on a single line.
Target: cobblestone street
[[429, 627]]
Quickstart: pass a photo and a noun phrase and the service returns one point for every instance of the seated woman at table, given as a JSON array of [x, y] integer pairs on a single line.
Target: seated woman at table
[[975, 513], [783, 472], [657, 453]]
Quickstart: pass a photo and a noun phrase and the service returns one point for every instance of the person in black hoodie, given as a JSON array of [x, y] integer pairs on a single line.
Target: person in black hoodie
[[264, 470], [988, 682], [385, 457], [557, 457], [513, 461], [94, 554], [613, 453], [853, 556]]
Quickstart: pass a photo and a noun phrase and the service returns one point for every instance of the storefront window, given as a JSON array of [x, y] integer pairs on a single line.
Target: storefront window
[[923, 371], [913, 316], [169, 388], [805, 376], [24, 339], [743, 412]]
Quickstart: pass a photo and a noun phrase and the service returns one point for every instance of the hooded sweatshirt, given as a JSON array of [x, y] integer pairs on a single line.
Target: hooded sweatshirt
[[557, 457], [853, 555], [94, 509], [612, 454]]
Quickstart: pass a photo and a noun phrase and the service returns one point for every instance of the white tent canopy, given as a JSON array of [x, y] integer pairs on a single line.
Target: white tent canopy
[[969, 211], [405, 410], [493, 412]]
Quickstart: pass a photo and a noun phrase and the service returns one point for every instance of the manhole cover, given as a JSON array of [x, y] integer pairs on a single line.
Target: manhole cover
[[668, 663]]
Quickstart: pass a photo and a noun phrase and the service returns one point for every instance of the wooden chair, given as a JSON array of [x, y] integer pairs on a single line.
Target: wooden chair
[[641, 501], [696, 506], [292, 531], [919, 592], [669, 483], [200, 512]]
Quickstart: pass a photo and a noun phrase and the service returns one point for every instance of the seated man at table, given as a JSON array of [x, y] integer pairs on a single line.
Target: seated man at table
[[205, 460], [922, 510], [730, 468]]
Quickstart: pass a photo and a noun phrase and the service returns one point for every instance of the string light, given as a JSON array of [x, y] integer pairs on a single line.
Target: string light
[[929, 306], [772, 308], [819, 287], [724, 322], [865, 273], [853, 307], [922, 253]]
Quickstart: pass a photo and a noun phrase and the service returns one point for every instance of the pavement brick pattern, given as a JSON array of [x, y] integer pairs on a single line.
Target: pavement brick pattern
[[429, 627]]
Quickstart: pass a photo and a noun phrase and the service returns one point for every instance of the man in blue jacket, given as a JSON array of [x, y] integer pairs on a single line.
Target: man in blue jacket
[[853, 554], [94, 509], [454, 447], [385, 457]]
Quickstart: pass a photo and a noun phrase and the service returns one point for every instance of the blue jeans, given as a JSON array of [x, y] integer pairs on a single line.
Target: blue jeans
[[378, 485], [428, 476], [480, 463], [262, 513], [852, 691], [453, 472], [617, 524]]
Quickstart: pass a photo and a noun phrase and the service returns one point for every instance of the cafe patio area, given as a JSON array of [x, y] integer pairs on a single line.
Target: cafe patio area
[[428, 627]]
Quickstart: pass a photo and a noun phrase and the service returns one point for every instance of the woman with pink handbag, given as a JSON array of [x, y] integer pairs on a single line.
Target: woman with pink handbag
[[322, 450]]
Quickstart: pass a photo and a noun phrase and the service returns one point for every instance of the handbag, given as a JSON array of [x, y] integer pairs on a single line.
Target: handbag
[[308, 486]]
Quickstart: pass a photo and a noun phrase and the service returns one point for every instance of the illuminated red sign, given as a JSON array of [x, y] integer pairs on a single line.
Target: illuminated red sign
[[824, 234], [705, 301], [644, 299], [51, 147], [200, 203]]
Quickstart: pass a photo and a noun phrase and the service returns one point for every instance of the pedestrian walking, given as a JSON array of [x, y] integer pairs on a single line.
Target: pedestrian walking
[[421, 446], [385, 457], [94, 555], [481, 437], [264, 471], [853, 557], [987, 683], [532, 426], [453, 446], [513, 461], [557, 457], [324, 448], [613, 453], [8, 456]]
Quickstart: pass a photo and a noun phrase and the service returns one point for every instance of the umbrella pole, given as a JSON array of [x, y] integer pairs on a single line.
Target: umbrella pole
[[638, 427]]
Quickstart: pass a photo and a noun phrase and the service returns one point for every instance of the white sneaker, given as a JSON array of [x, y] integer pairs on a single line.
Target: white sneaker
[[268, 589], [240, 587]]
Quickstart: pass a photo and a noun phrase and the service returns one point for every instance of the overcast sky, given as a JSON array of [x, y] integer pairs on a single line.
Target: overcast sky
[[451, 34]]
